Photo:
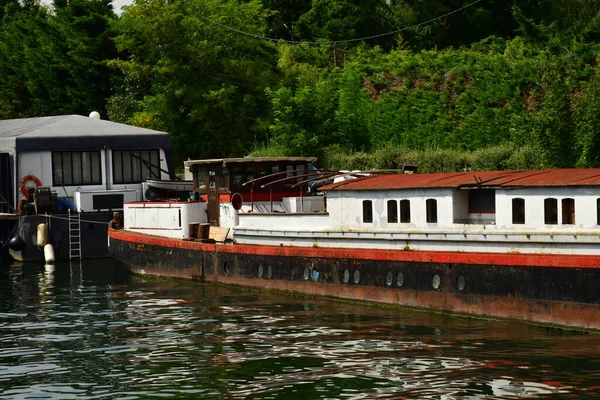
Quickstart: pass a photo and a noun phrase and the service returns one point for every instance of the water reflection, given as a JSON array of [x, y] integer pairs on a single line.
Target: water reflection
[[75, 331]]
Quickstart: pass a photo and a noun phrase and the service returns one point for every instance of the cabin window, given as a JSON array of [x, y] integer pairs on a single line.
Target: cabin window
[[392, 211], [212, 180], [550, 211], [367, 211], [241, 175], [518, 211], [598, 211], [300, 173], [224, 178], [568, 211], [431, 206], [135, 166], [405, 211], [482, 201], [200, 175], [76, 168]]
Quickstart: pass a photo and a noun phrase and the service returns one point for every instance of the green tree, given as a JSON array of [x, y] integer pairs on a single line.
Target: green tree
[[201, 82]]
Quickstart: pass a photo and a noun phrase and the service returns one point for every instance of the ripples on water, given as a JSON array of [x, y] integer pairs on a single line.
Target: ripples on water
[[96, 332]]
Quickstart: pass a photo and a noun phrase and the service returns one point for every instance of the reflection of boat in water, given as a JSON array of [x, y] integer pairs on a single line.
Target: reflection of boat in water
[[512, 244], [72, 173]]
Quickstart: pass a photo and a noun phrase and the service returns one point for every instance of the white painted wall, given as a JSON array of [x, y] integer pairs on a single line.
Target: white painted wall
[[84, 200], [169, 219], [292, 222], [585, 207], [460, 205], [346, 207]]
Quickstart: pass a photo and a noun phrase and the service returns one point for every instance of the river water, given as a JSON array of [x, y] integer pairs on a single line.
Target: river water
[[96, 332]]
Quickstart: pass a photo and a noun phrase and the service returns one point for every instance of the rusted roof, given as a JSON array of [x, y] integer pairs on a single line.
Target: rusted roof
[[502, 179], [248, 160]]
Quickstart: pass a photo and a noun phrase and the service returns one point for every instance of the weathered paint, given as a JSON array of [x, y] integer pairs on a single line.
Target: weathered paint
[[555, 290], [491, 179]]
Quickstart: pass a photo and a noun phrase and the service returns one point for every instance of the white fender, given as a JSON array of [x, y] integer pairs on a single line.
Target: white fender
[[49, 254], [42, 235]]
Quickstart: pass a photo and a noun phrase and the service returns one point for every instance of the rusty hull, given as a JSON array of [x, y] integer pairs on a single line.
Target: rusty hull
[[548, 295]]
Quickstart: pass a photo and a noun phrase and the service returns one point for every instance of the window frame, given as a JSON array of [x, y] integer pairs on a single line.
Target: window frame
[[431, 211], [476, 196], [93, 165], [567, 211], [367, 208], [135, 164], [392, 217], [405, 211], [514, 205], [550, 211]]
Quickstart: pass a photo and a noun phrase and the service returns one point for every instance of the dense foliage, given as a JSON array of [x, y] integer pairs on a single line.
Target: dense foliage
[[496, 84]]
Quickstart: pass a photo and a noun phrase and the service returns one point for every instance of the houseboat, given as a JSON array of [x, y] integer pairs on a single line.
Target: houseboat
[[520, 245], [70, 174]]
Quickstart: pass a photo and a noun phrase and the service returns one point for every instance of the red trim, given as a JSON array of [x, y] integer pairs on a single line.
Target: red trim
[[447, 257]]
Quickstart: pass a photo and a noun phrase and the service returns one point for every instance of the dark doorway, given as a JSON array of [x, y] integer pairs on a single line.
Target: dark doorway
[[6, 197], [213, 195]]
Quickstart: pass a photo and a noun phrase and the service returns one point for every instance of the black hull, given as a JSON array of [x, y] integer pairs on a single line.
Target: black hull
[[553, 295], [94, 236]]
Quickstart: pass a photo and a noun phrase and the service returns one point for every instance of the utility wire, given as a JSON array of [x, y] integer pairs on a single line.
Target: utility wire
[[339, 41]]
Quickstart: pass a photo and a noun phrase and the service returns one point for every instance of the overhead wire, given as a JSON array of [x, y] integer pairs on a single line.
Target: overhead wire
[[343, 40]]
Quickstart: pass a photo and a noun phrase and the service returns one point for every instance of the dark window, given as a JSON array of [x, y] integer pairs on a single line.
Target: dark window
[[212, 180], [518, 211], [405, 211], [598, 211], [135, 166], [431, 205], [550, 211], [568, 211], [76, 168], [392, 211], [482, 201], [224, 178], [107, 201], [367, 211]]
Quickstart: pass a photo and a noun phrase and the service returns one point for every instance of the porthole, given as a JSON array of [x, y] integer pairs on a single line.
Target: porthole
[[356, 276], [346, 276], [226, 268], [269, 271], [460, 283], [306, 274], [260, 271], [400, 279], [436, 281], [315, 274], [389, 278]]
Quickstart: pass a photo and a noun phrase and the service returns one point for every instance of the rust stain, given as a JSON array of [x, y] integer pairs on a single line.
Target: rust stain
[[540, 178]]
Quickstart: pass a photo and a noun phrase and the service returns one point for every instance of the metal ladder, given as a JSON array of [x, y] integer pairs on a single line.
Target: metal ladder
[[74, 235]]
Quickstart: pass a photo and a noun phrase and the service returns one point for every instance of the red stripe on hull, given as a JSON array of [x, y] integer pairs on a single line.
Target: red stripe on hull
[[444, 257]]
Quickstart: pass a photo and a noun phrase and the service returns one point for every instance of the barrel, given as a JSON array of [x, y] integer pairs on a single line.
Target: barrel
[[193, 230], [204, 231]]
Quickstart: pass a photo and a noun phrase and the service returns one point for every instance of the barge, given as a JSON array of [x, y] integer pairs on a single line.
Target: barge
[[71, 173], [522, 245]]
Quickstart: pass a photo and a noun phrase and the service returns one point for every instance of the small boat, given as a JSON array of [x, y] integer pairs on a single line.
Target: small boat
[[164, 189], [521, 245]]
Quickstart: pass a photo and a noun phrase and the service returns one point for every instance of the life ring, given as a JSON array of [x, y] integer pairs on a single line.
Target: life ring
[[28, 178]]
